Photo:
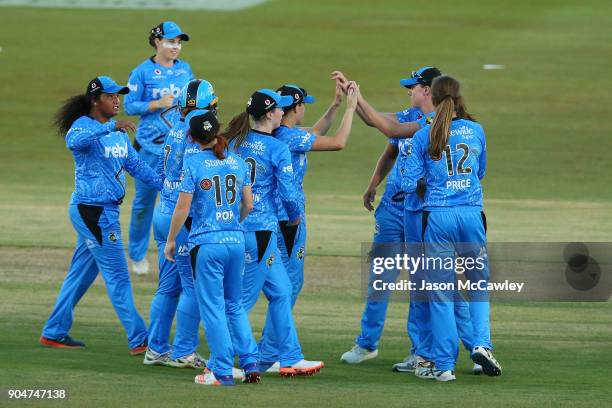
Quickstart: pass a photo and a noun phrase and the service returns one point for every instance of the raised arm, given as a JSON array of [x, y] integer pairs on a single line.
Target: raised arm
[[338, 141], [387, 124], [322, 126]]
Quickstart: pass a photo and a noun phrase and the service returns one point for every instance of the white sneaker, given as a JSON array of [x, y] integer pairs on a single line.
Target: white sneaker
[[274, 368], [302, 368], [238, 374], [406, 366], [208, 378], [193, 360], [357, 355], [154, 358], [424, 370], [141, 267], [477, 370], [484, 357], [444, 376]]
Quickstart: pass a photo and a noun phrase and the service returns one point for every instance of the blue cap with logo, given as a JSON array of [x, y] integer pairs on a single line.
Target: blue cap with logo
[[265, 100], [105, 84], [202, 123], [423, 76], [298, 94], [169, 30]]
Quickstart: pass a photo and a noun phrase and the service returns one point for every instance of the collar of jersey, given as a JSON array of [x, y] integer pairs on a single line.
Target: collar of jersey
[[152, 59], [261, 133]]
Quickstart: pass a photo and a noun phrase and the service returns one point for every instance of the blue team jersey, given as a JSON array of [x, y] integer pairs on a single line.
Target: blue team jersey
[[394, 198], [454, 179], [100, 155], [176, 148], [271, 173], [149, 82], [299, 142], [216, 186]]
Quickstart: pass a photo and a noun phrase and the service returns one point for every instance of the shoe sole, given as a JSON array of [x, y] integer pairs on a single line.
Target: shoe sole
[[447, 380], [488, 367], [55, 344], [402, 370], [154, 362], [299, 372]]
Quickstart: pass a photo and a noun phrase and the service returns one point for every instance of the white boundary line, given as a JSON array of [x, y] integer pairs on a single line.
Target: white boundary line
[[139, 4]]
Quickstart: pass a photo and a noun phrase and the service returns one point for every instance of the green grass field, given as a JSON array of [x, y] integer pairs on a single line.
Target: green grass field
[[548, 180]]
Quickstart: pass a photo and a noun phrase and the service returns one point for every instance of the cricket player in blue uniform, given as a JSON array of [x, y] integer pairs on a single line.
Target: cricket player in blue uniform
[[175, 293], [216, 186], [271, 173], [292, 239], [154, 87], [102, 151], [398, 220], [451, 156]]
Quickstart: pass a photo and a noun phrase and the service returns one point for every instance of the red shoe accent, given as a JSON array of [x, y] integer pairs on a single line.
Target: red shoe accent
[[138, 350], [287, 372], [302, 372], [55, 344]]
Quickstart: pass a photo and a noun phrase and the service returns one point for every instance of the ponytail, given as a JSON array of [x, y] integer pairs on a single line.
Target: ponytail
[[440, 128], [237, 129], [72, 109], [220, 147], [448, 102]]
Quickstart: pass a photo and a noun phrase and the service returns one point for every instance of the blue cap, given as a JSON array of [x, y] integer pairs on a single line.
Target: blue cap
[[169, 30], [423, 76], [198, 93], [105, 84], [264, 100], [298, 94]]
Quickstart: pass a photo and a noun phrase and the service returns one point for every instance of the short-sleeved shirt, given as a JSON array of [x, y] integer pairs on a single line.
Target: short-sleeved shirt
[[216, 186]]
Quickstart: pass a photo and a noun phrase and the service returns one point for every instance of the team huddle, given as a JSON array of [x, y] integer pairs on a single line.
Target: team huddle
[[231, 224]]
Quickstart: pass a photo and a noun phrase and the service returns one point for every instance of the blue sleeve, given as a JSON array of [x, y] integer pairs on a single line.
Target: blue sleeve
[[394, 141], [403, 116], [415, 166], [283, 172], [79, 138], [482, 160], [134, 103], [141, 170], [160, 166], [246, 179], [302, 141], [188, 183]]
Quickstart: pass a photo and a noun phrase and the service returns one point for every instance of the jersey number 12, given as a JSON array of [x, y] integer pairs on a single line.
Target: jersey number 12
[[449, 159]]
